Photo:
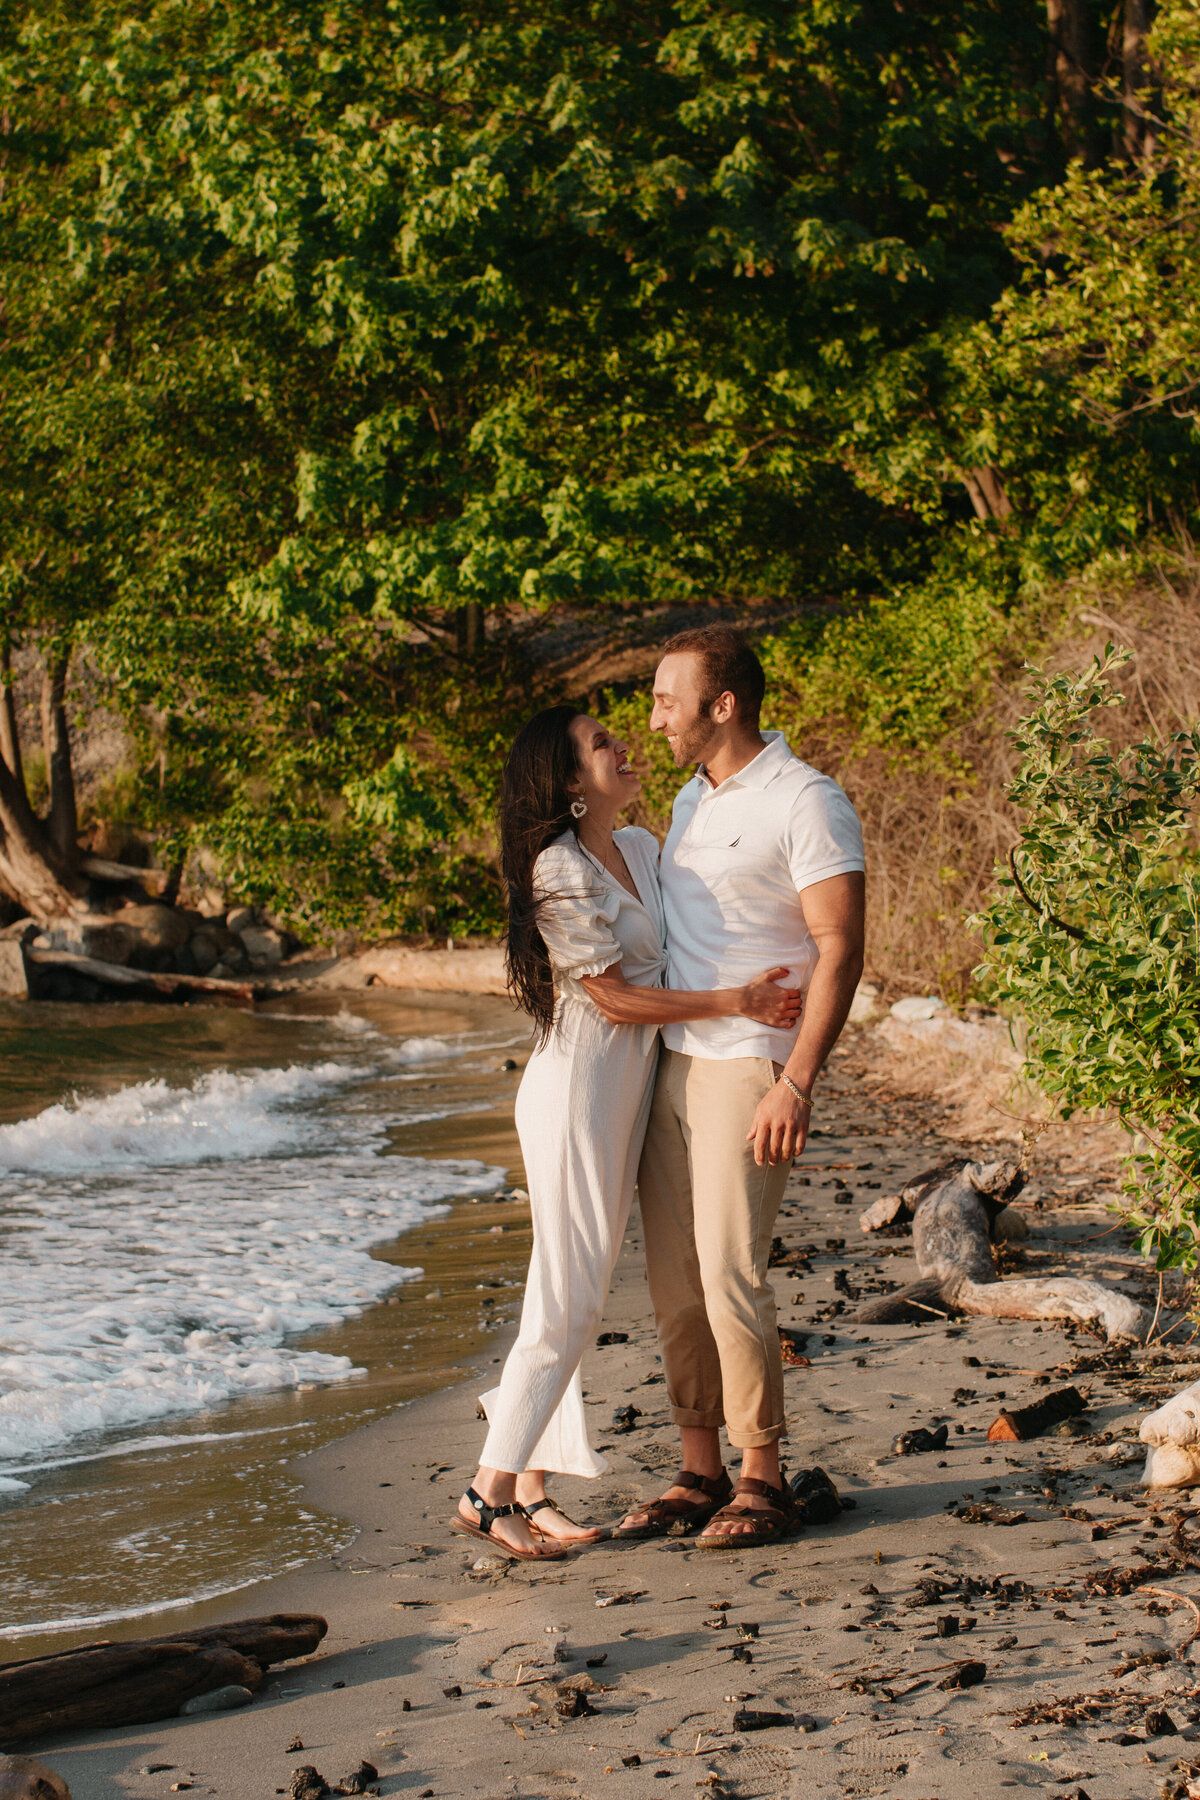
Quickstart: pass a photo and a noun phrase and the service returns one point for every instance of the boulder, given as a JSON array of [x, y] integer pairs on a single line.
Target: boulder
[[914, 1009], [866, 1004], [239, 918], [158, 929], [1172, 1436], [263, 945], [206, 952], [25, 1778]]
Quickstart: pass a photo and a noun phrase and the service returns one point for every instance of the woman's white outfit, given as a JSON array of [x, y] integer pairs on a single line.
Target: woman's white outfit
[[581, 1116]]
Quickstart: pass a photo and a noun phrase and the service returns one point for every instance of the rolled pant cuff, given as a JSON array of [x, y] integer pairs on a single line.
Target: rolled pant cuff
[[754, 1440], [710, 1420]]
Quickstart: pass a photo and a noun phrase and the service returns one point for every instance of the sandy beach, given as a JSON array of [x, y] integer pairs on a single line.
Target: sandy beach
[[452, 1671]]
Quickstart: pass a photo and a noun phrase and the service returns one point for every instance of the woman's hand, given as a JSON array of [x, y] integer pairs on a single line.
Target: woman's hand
[[763, 1000]]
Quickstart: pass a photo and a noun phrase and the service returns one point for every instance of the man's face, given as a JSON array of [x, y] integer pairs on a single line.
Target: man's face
[[679, 712]]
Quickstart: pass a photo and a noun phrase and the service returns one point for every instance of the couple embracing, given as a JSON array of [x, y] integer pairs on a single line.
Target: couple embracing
[[684, 1007]]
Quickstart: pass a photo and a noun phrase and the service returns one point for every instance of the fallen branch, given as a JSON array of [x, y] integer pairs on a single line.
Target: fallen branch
[[955, 1207]]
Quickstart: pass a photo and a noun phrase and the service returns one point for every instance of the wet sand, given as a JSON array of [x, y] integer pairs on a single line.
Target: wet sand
[[445, 1666]]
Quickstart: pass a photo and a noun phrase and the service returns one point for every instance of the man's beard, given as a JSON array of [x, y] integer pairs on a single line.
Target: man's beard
[[690, 745]]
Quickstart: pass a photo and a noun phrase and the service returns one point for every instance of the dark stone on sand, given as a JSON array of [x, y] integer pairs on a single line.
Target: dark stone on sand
[[625, 1418], [574, 1705], [597, 1662], [508, 1065], [744, 1720], [308, 1784], [1160, 1724], [452, 1693], [967, 1674], [817, 1500], [631, 1762], [296, 1744], [947, 1625], [918, 1441], [360, 1780], [613, 1337]]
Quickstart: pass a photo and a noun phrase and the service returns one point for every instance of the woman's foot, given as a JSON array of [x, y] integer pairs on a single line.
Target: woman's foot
[[510, 1531], [549, 1519]]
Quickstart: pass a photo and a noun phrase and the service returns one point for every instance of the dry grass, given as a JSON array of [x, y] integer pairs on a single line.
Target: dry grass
[[933, 841]]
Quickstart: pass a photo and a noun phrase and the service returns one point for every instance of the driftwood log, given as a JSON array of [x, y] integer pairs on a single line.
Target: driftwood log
[[954, 1208], [149, 1678]]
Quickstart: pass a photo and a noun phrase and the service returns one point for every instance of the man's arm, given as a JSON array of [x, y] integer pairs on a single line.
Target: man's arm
[[834, 911]]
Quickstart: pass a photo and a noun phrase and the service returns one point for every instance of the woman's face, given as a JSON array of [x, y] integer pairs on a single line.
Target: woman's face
[[605, 780]]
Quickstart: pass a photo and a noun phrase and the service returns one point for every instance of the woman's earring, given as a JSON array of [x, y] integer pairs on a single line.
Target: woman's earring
[[578, 808]]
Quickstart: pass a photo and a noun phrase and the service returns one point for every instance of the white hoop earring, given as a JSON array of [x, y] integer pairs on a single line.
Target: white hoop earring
[[578, 808]]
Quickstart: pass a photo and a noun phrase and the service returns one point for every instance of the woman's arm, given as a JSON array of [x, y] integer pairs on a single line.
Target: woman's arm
[[621, 1003]]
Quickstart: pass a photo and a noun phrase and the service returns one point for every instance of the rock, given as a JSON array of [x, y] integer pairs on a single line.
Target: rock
[[817, 1500], [1172, 1433], [308, 1783], [206, 952], [919, 1440], [157, 929], [913, 1009], [239, 919], [109, 940], [222, 1699], [866, 1004], [625, 1418], [185, 962], [25, 1778], [262, 945], [360, 1780], [606, 1337], [967, 1674], [744, 1720]]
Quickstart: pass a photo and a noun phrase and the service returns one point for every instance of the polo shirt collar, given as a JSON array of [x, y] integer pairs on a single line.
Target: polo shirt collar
[[760, 770]]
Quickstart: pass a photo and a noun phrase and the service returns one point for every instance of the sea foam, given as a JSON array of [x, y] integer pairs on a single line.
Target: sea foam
[[160, 1246]]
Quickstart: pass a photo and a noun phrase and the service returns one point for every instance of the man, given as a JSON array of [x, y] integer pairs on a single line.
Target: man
[[763, 865]]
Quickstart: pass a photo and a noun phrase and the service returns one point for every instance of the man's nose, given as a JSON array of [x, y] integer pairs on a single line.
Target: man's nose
[[656, 723]]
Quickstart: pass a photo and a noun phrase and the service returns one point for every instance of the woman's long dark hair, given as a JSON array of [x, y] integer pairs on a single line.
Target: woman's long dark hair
[[535, 808]]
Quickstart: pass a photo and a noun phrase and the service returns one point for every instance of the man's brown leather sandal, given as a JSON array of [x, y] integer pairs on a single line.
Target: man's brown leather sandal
[[768, 1524], [678, 1516]]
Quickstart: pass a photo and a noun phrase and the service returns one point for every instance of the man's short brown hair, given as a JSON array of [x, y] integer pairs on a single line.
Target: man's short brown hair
[[730, 667]]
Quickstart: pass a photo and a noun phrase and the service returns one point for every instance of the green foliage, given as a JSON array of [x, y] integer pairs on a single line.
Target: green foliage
[[1095, 940]]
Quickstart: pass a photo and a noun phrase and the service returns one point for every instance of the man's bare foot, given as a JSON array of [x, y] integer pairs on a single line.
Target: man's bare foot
[[747, 1503], [641, 1514]]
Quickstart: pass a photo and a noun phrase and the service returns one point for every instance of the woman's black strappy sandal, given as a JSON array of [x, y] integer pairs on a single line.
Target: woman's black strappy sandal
[[594, 1533], [487, 1516]]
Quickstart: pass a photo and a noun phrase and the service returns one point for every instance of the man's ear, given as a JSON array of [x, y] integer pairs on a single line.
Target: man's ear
[[723, 708]]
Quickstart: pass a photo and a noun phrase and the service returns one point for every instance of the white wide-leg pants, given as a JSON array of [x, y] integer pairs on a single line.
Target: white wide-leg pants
[[581, 1116]]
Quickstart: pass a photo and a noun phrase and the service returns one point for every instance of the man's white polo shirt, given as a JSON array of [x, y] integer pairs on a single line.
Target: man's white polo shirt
[[736, 861]]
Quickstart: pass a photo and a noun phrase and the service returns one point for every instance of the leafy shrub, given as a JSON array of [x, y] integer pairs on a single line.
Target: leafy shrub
[[1095, 939]]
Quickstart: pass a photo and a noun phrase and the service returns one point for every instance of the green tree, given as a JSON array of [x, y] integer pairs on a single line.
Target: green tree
[[1094, 940]]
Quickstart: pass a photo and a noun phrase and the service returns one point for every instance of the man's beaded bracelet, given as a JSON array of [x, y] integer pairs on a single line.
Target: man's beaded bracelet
[[805, 1099]]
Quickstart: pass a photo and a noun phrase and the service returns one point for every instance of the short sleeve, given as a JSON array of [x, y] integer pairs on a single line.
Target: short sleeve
[[824, 835], [575, 915]]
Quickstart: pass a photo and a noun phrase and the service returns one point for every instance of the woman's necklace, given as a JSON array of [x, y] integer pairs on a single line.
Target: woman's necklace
[[624, 880]]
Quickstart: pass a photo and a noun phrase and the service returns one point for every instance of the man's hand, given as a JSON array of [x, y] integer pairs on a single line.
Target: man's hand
[[780, 1126]]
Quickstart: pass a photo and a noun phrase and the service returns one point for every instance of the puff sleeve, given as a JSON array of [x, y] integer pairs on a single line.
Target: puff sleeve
[[575, 915]]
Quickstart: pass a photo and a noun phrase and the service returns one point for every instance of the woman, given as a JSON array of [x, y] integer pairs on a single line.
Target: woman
[[585, 926]]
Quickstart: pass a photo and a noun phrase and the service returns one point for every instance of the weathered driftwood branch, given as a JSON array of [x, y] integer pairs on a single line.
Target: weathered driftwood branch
[[954, 1210], [149, 1678]]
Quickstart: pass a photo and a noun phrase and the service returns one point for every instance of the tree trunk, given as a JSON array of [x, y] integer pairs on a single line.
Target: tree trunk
[[34, 872], [1137, 135], [1071, 75], [62, 823], [988, 497], [470, 628]]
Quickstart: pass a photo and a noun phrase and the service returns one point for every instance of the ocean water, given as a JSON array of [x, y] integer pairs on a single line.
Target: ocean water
[[201, 1214]]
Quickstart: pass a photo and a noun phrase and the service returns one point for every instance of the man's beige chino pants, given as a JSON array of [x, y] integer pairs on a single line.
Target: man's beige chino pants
[[708, 1212]]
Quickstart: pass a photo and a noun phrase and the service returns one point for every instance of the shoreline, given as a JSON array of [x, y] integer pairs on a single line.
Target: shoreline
[[418, 1616]]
